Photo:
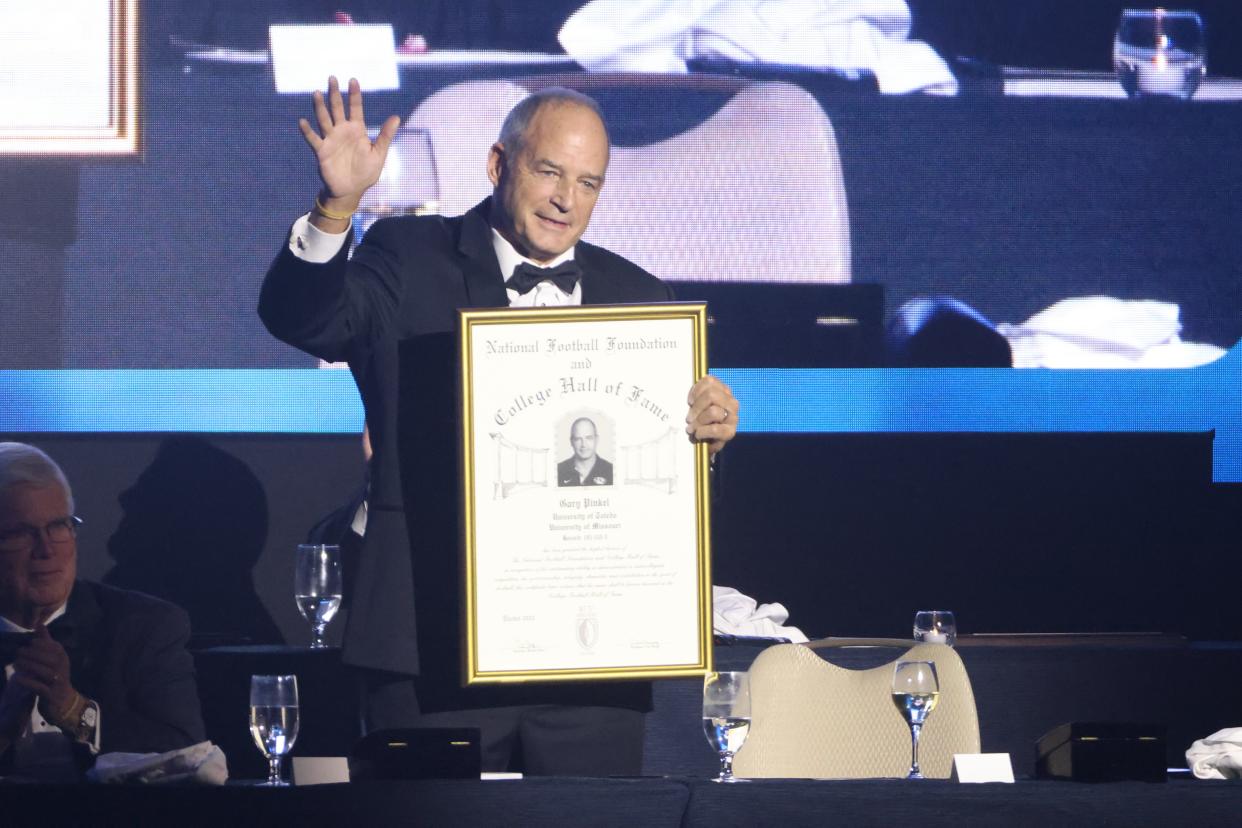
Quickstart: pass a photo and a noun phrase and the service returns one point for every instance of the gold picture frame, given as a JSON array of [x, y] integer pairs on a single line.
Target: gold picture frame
[[74, 68], [595, 566]]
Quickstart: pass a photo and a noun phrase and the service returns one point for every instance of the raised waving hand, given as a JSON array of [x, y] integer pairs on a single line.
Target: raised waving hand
[[349, 162]]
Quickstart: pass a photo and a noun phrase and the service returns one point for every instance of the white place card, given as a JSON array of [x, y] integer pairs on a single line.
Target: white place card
[[982, 767], [304, 56], [320, 770]]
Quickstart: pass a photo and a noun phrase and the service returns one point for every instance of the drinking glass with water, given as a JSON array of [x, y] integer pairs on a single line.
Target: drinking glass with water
[[726, 717], [317, 587], [274, 720]]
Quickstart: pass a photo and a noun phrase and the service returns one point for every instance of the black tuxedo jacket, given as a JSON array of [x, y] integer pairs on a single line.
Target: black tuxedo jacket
[[127, 651], [390, 312]]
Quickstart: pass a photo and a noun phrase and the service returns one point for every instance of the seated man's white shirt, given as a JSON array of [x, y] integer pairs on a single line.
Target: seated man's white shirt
[[310, 244], [38, 724], [359, 524]]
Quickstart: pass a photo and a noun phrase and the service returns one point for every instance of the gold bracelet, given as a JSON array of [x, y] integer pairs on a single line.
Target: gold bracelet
[[328, 214], [68, 718]]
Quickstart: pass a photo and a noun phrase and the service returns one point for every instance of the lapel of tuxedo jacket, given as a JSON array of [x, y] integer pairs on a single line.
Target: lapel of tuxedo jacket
[[485, 288], [597, 288]]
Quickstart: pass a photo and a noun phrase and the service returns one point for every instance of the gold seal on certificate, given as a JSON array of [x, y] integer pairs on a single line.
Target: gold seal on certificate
[[586, 503]]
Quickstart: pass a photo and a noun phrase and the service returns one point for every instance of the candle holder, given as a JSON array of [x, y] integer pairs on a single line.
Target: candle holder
[[935, 627]]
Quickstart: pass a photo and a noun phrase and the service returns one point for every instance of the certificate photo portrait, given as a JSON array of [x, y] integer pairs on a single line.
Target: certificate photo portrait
[[584, 466]]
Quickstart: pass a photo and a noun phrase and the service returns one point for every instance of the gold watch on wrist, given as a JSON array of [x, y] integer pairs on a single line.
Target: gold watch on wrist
[[88, 722], [80, 719]]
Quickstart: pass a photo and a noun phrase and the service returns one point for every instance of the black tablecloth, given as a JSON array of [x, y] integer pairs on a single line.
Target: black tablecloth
[[631, 802], [936, 803]]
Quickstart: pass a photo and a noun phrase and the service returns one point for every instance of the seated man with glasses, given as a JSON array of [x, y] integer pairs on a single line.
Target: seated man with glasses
[[106, 668]]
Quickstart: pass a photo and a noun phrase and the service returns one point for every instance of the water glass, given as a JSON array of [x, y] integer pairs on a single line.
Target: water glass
[[1160, 53], [726, 717], [935, 627], [274, 720], [317, 586]]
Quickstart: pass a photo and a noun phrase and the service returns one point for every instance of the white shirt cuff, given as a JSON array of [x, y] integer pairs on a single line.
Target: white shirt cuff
[[310, 244]]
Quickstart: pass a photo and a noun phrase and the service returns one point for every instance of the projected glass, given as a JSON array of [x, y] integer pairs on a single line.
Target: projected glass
[[1160, 53], [409, 184]]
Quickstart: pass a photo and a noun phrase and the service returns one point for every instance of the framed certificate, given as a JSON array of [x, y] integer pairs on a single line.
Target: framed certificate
[[586, 507]]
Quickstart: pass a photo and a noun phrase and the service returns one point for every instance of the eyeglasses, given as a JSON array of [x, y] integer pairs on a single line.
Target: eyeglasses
[[23, 537]]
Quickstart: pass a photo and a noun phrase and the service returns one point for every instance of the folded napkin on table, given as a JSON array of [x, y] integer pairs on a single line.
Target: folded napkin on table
[[1219, 756], [203, 764], [849, 37], [1104, 332], [736, 614]]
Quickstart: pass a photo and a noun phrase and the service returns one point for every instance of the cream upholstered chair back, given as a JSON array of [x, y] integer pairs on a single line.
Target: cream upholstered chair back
[[814, 719], [753, 193]]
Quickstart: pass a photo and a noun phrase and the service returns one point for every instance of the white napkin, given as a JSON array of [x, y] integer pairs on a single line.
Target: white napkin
[[203, 764], [1219, 756], [736, 614], [1104, 332], [847, 36]]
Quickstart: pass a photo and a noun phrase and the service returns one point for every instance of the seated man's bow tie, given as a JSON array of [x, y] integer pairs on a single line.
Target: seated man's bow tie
[[526, 275]]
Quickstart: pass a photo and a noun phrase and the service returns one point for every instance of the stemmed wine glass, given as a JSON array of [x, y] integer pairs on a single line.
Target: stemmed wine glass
[[274, 720], [916, 689], [726, 717], [317, 587]]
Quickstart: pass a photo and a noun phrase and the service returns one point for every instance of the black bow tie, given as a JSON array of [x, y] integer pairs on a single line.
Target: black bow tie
[[526, 275]]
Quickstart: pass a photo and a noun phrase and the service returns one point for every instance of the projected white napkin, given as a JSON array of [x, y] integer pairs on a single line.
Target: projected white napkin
[[203, 764], [736, 614], [1219, 756], [847, 36], [1103, 332]]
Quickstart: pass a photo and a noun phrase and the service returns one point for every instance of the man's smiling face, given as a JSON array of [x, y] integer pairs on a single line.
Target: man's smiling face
[[36, 579], [545, 191], [582, 439]]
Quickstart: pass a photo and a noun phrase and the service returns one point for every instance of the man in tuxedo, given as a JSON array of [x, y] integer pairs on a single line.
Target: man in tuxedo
[[389, 311], [91, 666], [585, 467]]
